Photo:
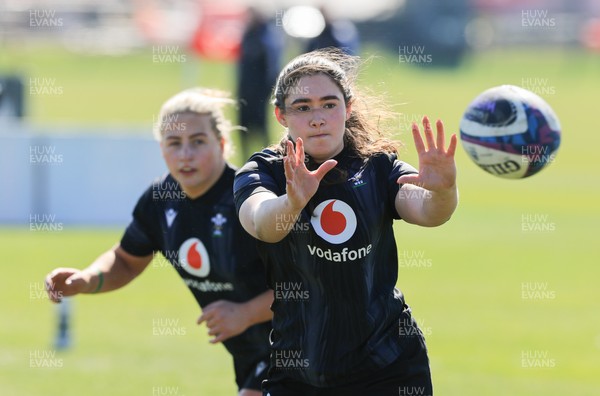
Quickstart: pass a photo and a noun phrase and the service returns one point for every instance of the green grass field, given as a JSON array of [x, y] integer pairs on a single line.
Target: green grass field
[[506, 311]]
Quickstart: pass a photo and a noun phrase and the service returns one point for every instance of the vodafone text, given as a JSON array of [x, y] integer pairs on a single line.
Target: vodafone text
[[340, 257], [208, 286]]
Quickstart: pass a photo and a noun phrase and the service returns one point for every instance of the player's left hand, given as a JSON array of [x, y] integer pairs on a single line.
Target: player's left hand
[[437, 170], [224, 319]]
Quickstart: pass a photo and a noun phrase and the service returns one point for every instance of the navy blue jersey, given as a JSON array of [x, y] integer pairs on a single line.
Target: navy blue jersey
[[204, 241], [336, 309]]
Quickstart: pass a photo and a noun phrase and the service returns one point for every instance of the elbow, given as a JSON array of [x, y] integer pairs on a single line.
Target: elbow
[[439, 215], [268, 237], [436, 222], [434, 219], [427, 222]]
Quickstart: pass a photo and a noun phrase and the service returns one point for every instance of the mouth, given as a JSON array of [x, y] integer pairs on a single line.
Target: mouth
[[187, 170], [319, 135]]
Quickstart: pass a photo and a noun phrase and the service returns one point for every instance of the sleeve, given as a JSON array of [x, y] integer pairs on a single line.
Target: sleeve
[[398, 168], [137, 239], [257, 175]]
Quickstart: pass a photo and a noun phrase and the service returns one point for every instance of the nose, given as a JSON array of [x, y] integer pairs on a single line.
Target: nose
[[185, 154], [317, 119]]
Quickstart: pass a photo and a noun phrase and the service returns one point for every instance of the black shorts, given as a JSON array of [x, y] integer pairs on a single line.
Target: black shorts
[[408, 375], [250, 371]]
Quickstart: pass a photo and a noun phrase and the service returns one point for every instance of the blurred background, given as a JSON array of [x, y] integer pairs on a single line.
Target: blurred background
[[82, 74], [506, 310]]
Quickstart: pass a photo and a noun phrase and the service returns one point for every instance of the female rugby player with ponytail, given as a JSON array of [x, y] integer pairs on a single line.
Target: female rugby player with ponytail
[[322, 205]]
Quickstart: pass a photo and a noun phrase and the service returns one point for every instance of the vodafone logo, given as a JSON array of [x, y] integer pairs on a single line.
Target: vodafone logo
[[334, 221], [193, 257]]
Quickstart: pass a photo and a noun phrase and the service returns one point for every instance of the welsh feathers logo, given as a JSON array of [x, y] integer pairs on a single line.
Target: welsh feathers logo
[[334, 221], [193, 257]]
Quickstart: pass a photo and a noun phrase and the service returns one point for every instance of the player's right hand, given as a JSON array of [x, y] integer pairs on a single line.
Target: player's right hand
[[65, 282], [302, 184]]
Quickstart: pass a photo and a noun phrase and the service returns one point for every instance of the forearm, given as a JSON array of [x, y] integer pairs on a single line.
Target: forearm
[[108, 272], [439, 206], [268, 217], [419, 206]]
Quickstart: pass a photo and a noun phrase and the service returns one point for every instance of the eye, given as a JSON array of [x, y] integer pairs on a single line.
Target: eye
[[330, 105], [302, 109], [198, 142], [173, 143]]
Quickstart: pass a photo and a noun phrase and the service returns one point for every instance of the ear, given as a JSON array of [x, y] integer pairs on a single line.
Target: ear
[[222, 144], [280, 115]]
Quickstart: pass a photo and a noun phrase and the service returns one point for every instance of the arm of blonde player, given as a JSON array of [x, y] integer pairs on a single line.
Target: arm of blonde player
[[268, 217], [430, 197], [226, 319], [111, 270]]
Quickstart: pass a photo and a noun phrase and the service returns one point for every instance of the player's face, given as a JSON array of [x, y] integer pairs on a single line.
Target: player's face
[[315, 111], [193, 152]]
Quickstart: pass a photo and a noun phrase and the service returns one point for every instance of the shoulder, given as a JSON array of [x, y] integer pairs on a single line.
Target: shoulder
[[383, 161], [268, 156], [263, 172], [384, 157], [390, 161], [263, 160]]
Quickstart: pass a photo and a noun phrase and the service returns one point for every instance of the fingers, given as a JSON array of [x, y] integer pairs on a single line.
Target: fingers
[[324, 168], [214, 330], [452, 146], [49, 281], [56, 284], [288, 168], [408, 179], [54, 295], [439, 142], [299, 152], [59, 275], [222, 332], [208, 313], [428, 133], [215, 327], [293, 157], [212, 313], [291, 153], [219, 338], [51, 287], [75, 281], [441, 139], [419, 144], [221, 319]]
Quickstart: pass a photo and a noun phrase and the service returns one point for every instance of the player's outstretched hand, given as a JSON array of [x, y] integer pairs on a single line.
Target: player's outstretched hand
[[302, 184], [224, 319], [437, 170], [65, 282]]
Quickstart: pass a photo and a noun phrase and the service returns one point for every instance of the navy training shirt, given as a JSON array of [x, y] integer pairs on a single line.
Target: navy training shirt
[[336, 309], [204, 241]]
